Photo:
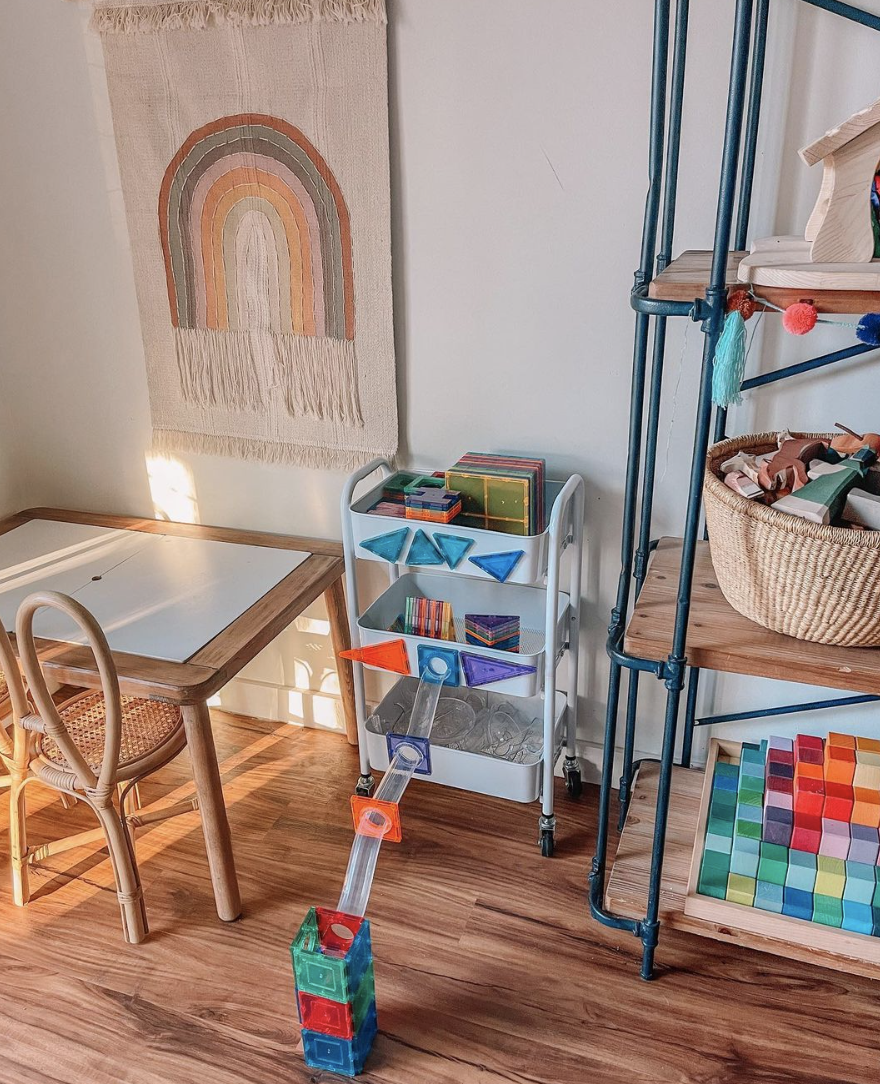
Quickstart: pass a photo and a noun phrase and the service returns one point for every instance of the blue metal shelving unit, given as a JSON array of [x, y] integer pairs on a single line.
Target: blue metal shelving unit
[[731, 225]]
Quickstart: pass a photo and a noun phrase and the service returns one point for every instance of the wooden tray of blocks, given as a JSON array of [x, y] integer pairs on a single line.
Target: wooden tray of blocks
[[780, 850]]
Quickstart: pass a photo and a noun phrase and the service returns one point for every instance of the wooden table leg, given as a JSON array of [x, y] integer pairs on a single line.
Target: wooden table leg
[[200, 739], [334, 597]]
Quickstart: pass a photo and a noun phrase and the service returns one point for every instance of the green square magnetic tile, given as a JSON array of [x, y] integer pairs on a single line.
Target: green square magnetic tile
[[828, 910], [741, 889]]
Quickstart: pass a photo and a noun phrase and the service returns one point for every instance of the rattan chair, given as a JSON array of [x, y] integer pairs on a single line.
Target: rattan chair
[[96, 746]]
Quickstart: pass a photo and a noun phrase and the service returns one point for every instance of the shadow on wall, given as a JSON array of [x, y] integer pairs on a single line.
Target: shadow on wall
[[294, 679]]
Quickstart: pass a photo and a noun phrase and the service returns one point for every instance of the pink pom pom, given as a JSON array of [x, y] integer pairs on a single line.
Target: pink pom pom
[[800, 318]]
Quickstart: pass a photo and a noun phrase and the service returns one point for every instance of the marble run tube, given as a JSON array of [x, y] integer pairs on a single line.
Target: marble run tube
[[377, 816]]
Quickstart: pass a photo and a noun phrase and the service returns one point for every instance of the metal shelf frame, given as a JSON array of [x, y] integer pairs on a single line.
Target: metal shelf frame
[[748, 52]]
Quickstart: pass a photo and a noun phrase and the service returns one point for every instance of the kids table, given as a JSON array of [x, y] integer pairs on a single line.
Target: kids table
[[184, 607]]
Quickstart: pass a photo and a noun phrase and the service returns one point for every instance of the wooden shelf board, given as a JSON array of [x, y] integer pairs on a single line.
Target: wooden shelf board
[[719, 638], [686, 276], [627, 889]]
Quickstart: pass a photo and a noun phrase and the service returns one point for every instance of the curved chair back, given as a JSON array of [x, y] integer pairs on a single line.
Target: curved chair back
[[17, 695], [48, 721]]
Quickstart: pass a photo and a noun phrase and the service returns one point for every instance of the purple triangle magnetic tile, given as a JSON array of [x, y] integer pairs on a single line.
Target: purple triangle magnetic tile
[[478, 670], [423, 551], [453, 548], [498, 565], [388, 546]]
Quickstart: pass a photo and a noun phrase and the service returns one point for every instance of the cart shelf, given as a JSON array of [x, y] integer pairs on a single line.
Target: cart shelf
[[719, 638], [687, 276], [627, 890]]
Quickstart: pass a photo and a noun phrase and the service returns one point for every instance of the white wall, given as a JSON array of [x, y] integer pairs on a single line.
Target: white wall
[[519, 136]]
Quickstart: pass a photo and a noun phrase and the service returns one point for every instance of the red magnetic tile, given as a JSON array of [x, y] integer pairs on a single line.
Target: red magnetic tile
[[328, 1017]]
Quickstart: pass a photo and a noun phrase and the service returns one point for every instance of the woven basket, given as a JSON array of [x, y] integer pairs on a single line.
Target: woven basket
[[805, 580]]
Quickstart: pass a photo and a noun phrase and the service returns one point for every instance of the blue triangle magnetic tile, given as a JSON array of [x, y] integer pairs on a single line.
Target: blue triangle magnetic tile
[[390, 545], [499, 565], [478, 670], [453, 548], [423, 551]]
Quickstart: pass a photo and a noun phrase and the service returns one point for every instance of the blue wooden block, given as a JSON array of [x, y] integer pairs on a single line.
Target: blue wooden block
[[801, 874], [768, 896], [719, 844], [724, 782], [797, 903], [743, 862], [857, 917], [860, 882], [749, 813]]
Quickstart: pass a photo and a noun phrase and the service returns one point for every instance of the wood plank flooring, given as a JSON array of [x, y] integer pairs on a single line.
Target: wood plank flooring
[[488, 967]]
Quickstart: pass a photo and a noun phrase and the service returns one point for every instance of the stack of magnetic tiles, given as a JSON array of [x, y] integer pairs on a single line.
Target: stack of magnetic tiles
[[794, 828], [335, 991]]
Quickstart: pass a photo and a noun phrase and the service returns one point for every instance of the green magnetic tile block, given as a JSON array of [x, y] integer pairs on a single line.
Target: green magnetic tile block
[[744, 864], [718, 844], [828, 910], [752, 813], [724, 767], [741, 889], [860, 882], [748, 828]]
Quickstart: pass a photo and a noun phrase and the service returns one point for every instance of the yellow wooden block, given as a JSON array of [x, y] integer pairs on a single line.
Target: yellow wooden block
[[741, 889], [867, 775], [830, 876], [863, 756]]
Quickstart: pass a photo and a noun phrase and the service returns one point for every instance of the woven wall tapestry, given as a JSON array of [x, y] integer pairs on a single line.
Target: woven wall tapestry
[[253, 149]]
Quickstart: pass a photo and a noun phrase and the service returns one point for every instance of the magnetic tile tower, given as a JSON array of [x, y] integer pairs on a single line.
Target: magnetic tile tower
[[794, 828]]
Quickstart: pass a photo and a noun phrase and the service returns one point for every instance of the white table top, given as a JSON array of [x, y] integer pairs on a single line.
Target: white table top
[[163, 596]]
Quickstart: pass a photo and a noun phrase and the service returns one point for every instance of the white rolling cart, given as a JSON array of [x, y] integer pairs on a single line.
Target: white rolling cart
[[550, 624]]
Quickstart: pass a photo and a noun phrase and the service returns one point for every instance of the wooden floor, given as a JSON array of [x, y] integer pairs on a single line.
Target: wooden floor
[[488, 968]]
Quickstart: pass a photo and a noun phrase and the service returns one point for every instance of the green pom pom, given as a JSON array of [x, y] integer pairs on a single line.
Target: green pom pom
[[730, 361]]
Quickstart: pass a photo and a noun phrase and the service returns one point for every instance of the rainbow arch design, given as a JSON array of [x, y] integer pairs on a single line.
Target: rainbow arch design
[[260, 171]]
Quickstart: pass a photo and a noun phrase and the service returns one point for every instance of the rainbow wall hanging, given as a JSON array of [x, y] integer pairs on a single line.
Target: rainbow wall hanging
[[254, 165]]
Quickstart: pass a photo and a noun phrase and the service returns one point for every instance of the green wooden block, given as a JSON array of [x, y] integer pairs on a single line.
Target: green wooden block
[[717, 827], [741, 889], [725, 767], [860, 882], [751, 783], [718, 844], [830, 876], [749, 829], [714, 871], [773, 864], [828, 910], [723, 799], [751, 798]]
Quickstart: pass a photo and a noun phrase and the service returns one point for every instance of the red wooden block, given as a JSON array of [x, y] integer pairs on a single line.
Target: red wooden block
[[807, 833], [779, 756], [809, 784], [807, 741], [866, 807], [810, 805], [777, 783], [839, 800]]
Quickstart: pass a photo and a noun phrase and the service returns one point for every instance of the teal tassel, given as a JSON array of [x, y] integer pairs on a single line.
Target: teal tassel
[[730, 361]]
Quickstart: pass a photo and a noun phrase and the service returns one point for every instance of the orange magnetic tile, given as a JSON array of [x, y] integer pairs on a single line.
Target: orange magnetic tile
[[389, 812], [388, 655], [842, 741]]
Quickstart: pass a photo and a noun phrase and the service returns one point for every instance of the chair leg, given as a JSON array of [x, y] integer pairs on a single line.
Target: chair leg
[[18, 840], [128, 882]]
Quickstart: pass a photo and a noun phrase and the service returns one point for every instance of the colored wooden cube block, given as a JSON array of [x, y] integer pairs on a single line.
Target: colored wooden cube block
[[753, 784], [801, 872], [860, 882], [773, 863], [725, 783], [723, 802], [779, 770], [779, 785], [806, 835], [857, 917], [807, 745], [778, 825], [807, 770], [345, 1056], [835, 841], [750, 829], [750, 797], [741, 889], [866, 807], [841, 741], [840, 764], [808, 804], [748, 812], [745, 863], [830, 876], [868, 745], [720, 825], [867, 757], [827, 909], [750, 753], [864, 844], [776, 743], [781, 801], [768, 896], [866, 775], [839, 800], [726, 768], [714, 870], [797, 903], [718, 844]]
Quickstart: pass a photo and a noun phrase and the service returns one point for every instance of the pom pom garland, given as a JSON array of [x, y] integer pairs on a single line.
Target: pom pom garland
[[742, 302], [868, 329], [800, 318]]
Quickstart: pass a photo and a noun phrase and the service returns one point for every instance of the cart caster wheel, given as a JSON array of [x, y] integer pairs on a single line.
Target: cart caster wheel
[[365, 786], [547, 843], [571, 769]]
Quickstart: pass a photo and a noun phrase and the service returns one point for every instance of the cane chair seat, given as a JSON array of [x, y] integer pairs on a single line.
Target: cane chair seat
[[147, 725]]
